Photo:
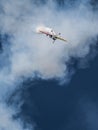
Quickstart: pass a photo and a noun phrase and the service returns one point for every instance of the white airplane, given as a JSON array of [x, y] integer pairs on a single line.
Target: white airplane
[[50, 32]]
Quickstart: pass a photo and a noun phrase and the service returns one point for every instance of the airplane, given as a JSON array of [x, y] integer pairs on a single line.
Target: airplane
[[50, 32]]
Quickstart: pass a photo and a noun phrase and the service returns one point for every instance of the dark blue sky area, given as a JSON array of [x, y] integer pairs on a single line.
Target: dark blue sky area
[[67, 107]]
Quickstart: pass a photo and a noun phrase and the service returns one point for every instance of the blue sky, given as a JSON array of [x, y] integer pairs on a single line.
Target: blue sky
[[66, 107]]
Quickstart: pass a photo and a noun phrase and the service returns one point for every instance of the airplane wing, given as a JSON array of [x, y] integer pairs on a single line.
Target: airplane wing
[[60, 38]]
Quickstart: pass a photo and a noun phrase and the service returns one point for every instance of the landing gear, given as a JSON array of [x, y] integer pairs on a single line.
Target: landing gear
[[50, 36], [54, 40]]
